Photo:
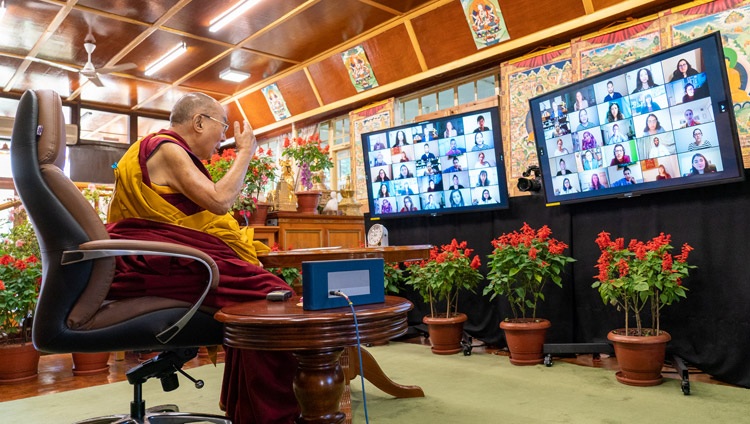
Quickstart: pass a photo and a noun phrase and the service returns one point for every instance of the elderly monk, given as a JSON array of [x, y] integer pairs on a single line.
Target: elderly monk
[[163, 192]]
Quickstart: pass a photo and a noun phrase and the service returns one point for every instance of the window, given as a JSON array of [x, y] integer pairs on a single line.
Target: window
[[456, 93], [147, 126], [97, 125]]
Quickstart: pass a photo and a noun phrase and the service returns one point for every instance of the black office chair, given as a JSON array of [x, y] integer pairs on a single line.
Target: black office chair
[[72, 314]]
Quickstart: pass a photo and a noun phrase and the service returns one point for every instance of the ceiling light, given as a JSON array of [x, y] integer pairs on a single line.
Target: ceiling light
[[166, 59], [233, 75], [230, 14]]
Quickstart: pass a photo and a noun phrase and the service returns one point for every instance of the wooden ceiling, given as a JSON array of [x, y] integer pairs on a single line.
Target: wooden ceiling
[[293, 43]]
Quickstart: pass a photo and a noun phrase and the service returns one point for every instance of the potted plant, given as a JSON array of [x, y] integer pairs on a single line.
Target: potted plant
[[250, 206], [640, 277], [449, 270], [393, 277], [20, 278], [520, 266], [312, 160]]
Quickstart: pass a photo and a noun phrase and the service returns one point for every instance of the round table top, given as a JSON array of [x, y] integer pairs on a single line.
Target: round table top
[[267, 325]]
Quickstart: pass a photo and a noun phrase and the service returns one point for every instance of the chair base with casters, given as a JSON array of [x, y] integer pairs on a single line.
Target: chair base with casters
[[165, 367]]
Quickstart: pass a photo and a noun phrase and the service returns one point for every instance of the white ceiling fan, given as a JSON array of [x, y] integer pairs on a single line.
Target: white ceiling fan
[[92, 73], [88, 70]]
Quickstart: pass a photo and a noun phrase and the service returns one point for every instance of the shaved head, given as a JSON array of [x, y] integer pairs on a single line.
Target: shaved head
[[190, 104]]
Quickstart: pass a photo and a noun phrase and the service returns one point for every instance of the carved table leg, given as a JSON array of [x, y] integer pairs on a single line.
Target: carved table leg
[[318, 385]]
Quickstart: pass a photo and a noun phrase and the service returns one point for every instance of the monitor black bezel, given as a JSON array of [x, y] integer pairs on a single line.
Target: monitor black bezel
[[494, 125], [731, 154]]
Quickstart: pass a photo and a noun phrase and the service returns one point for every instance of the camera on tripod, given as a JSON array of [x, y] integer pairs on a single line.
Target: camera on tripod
[[530, 184]]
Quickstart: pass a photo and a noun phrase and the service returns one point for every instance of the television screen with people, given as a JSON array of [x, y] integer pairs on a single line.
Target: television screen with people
[[445, 165], [663, 122]]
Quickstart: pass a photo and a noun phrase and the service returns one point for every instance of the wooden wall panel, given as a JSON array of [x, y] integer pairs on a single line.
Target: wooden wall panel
[[601, 4], [332, 79], [392, 55], [298, 94], [443, 35], [257, 110], [527, 17]]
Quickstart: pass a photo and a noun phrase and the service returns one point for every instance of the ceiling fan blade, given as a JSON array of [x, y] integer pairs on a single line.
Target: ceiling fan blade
[[55, 64], [117, 68], [95, 79]]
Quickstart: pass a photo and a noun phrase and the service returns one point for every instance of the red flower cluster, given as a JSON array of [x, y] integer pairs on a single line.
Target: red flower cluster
[[520, 265], [641, 274]]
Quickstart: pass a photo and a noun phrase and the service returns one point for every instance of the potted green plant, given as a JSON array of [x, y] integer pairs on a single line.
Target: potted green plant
[[642, 277], [520, 266], [393, 277], [450, 270], [311, 160], [20, 278], [250, 206]]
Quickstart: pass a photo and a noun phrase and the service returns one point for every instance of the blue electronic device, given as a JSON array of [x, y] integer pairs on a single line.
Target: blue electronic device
[[360, 279]]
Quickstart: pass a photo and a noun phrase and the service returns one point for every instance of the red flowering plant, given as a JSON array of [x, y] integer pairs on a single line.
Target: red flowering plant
[[260, 172], [310, 158], [521, 264], [641, 275], [20, 277], [449, 270]]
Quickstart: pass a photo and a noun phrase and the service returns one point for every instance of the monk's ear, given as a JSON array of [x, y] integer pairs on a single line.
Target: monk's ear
[[198, 123]]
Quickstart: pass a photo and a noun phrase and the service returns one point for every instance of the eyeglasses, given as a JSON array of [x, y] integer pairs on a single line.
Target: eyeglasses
[[222, 123]]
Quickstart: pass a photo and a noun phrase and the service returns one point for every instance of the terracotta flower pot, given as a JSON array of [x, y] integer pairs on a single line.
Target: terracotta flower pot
[[307, 201], [258, 217], [525, 338], [90, 363], [446, 333], [18, 363], [640, 357]]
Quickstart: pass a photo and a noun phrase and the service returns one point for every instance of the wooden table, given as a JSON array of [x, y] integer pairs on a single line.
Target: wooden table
[[317, 339], [294, 258]]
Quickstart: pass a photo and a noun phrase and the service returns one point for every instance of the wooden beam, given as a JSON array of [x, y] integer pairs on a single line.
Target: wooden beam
[[313, 86], [480, 56], [415, 44]]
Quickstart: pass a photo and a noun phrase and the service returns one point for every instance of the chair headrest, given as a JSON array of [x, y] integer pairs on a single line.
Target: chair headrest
[[51, 128]]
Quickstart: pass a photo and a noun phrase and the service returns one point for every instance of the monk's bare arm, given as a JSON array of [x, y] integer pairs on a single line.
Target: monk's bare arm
[[170, 165]]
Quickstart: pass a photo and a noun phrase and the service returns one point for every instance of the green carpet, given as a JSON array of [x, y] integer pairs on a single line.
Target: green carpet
[[459, 389]]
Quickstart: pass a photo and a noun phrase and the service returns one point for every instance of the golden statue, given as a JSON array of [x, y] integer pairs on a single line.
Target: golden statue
[[283, 197], [348, 205]]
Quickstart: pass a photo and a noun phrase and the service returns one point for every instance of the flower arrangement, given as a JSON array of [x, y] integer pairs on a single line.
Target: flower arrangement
[[393, 277], [20, 278], [309, 156], [640, 275], [291, 275], [450, 269], [99, 199], [521, 264], [260, 172]]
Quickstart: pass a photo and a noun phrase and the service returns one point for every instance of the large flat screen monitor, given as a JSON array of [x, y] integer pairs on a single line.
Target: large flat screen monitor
[[445, 165], [661, 123]]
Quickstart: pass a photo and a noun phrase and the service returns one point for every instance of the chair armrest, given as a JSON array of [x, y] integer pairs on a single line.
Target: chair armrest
[[108, 248]]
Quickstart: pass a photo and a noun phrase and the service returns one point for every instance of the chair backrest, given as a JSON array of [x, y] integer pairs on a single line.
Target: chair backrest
[[72, 314]]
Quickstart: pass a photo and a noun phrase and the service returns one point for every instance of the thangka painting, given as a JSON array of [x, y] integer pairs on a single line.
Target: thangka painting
[[522, 80], [604, 51], [485, 21], [276, 102], [360, 71], [373, 117], [732, 18]]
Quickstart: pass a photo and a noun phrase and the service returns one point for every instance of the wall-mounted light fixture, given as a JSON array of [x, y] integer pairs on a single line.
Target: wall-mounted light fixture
[[166, 59], [230, 14], [233, 75]]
